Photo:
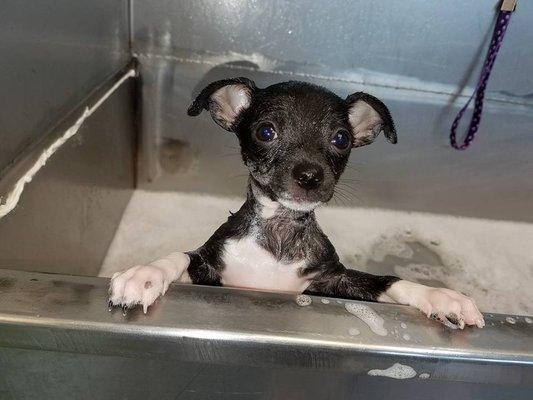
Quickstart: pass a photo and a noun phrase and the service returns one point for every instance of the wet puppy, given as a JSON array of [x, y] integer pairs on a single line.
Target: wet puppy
[[295, 140]]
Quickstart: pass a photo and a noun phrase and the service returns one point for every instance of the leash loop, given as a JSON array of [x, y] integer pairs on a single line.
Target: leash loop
[[504, 16]]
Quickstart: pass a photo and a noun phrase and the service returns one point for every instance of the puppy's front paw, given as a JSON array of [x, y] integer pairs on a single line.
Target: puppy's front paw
[[142, 284], [445, 305], [451, 308]]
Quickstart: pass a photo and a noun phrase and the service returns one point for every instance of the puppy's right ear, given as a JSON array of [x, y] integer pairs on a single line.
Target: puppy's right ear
[[226, 100]]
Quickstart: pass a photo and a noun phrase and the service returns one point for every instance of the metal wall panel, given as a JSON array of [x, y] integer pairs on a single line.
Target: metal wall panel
[[415, 56], [421, 173], [432, 41], [52, 54], [67, 216]]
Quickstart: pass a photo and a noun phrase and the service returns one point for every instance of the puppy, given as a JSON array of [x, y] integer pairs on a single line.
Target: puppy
[[295, 140]]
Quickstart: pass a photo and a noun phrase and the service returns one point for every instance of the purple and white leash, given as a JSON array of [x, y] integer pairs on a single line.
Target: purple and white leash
[[504, 16]]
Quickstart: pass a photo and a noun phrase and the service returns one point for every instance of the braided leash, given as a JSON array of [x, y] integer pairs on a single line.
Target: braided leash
[[504, 16]]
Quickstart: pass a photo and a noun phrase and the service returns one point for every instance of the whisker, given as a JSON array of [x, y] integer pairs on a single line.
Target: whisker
[[346, 198], [347, 189], [352, 194], [350, 180], [338, 199], [342, 196]]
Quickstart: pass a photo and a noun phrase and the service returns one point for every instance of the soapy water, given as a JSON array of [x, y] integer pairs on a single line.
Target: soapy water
[[368, 316], [324, 301], [488, 260], [511, 320], [354, 332], [303, 300], [474, 258], [424, 375], [397, 371]]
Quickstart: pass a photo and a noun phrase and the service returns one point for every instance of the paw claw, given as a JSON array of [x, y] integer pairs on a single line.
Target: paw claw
[[456, 320], [451, 308], [137, 285]]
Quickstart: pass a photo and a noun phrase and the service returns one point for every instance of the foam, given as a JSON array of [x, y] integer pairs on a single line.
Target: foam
[[368, 316], [424, 375], [303, 300], [486, 259], [397, 371], [511, 320], [354, 332]]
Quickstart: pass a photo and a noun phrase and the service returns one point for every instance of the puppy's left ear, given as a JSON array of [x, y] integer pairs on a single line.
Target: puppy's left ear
[[226, 100], [368, 116]]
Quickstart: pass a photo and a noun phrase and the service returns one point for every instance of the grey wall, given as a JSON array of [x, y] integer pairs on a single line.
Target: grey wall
[[414, 56], [434, 41], [53, 53], [68, 215]]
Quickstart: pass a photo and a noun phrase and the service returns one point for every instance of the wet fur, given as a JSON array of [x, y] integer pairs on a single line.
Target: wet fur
[[273, 241], [290, 236], [306, 114]]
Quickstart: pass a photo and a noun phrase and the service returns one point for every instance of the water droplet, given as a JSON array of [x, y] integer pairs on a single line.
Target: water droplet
[[303, 300], [397, 371], [354, 331], [368, 316]]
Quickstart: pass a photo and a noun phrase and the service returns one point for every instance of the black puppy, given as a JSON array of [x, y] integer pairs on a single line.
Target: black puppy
[[295, 140]]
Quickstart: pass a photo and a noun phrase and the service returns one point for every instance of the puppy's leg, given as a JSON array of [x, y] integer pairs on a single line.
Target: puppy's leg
[[445, 305], [143, 284]]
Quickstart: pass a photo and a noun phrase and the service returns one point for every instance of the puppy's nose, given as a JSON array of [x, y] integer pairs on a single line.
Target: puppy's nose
[[308, 176]]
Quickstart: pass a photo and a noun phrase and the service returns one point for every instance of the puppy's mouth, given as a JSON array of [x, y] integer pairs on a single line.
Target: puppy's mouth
[[298, 205], [293, 198], [303, 201]]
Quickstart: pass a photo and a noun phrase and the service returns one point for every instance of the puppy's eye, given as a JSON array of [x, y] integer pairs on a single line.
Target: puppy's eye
[[266, 133], [341, 140]]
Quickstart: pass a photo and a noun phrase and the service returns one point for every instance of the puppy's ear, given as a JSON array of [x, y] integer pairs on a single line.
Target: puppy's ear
[[368, 116], [226, 100]]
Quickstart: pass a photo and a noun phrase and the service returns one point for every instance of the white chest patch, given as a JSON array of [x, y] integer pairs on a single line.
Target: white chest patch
[[248, 265]]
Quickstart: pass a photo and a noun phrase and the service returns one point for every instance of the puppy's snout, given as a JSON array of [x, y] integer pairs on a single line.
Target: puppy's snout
[[308, 176]]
